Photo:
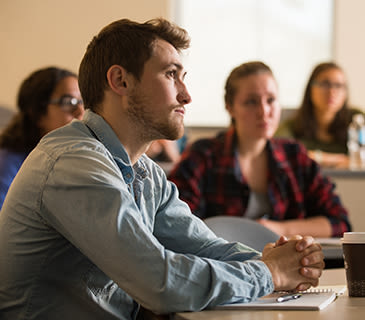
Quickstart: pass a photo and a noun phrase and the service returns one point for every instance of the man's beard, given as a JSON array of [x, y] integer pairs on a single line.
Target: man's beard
[[149, 127]]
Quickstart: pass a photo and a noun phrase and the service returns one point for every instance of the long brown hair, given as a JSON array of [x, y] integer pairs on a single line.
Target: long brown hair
[[305, 123], [22, 133]]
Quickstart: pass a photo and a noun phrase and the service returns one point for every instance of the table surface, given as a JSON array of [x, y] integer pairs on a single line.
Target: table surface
[[343, 307], [332, 247], [344, 172]]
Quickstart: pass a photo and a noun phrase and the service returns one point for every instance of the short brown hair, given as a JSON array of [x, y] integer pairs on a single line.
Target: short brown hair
[[242, 71], [125, 43]]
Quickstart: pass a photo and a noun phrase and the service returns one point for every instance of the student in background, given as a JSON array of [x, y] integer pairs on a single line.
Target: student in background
[[245, 172], [47, 99], [164, 151], [322, 120], [92, 229]]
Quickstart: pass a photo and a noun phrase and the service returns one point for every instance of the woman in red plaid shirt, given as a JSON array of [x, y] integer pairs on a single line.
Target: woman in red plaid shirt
[[244, 171]]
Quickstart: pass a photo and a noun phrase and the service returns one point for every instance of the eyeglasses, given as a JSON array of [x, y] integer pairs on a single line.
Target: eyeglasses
[[67, 103], [326, 85]]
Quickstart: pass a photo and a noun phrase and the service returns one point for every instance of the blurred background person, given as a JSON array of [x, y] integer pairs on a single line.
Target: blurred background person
[[167, 152], [245, 172], [47, 99], [322, 120], [164, 151]]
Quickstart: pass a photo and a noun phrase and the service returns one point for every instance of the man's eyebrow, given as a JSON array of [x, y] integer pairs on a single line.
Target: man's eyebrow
[[175, 64]]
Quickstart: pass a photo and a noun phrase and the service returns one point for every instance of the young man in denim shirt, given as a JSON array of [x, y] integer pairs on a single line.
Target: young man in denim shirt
[[92, 229]]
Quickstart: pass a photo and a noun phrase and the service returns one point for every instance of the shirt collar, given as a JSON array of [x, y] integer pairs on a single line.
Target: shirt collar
[[105, 134]]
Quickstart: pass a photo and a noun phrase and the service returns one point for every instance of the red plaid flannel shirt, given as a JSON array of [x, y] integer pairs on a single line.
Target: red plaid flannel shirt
[[209, 180]]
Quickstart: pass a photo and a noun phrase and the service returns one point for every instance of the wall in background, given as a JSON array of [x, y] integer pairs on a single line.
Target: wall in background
[[38, 33], [349, 46], [290, 36]]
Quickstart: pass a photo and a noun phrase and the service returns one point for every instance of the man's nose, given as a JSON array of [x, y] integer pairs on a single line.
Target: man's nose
[[183, 97]]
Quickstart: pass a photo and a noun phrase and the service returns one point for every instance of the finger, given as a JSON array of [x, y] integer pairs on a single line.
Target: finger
[[303, 286], [304, 243], [312, 257], [313, 249], [311, 273], [313, 260], [319, 265], [296, 237], [282, 240]]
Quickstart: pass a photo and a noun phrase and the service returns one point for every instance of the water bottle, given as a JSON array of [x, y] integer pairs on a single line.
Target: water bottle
[[356, 142], [362, 141]]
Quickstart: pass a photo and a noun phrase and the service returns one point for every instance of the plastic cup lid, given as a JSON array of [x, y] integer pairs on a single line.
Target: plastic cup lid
[[353, 237]]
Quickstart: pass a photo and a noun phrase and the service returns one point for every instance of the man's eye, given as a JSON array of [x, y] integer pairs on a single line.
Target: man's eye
[[172, 73]]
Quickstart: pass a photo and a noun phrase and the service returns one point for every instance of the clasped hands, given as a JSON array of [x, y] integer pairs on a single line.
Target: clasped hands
[[295, 263]]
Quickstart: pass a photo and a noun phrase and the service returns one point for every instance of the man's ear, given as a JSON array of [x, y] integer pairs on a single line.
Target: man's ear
[[117, 79]]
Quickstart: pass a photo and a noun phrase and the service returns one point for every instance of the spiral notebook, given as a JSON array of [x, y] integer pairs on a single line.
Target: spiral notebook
[[313, 299]]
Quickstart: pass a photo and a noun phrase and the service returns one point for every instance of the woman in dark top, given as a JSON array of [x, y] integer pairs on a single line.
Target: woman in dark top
[[322, 120]]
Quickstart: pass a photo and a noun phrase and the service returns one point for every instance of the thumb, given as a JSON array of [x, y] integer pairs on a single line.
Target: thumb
[[282, 240]]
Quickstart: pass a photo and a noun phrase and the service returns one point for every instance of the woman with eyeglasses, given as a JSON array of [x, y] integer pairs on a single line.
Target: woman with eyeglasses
[[322, 120], [47, 99], [245, 172]]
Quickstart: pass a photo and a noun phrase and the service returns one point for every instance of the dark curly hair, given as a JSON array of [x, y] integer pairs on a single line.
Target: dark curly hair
[[22, 133]]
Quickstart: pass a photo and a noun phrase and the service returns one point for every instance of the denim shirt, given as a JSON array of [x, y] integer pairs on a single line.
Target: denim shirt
[[86, 235]]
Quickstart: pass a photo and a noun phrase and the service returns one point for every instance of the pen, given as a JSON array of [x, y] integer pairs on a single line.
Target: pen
[[288, 297]]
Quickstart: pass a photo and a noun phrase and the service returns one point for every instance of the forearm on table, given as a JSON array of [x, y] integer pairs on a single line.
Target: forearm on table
[[315, 226], [318, 226]]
